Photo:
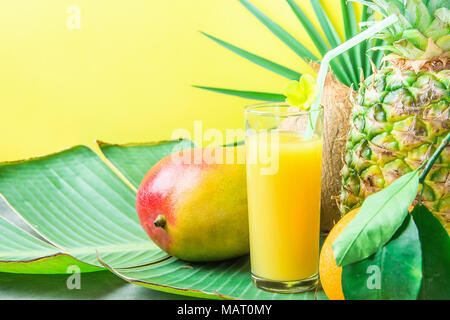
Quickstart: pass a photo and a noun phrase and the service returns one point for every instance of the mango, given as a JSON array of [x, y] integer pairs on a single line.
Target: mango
[[193, 204]]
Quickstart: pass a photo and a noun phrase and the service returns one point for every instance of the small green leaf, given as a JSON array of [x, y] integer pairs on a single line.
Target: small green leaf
[[282, 34], [262, 96], [393, 272], [435, 243], [381, 214], [265, 63]]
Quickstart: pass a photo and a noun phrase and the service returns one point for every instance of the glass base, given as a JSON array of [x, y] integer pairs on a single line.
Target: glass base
[[295, 286]]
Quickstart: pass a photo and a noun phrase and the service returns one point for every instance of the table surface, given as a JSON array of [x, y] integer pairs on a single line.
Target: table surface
[[96, 285]]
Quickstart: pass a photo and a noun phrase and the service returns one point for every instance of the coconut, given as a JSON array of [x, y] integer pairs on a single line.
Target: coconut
[[336, 100]]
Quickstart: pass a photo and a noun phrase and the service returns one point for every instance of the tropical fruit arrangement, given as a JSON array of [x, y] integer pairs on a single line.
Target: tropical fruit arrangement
[[393, 178], [398, 127], [385, 176]]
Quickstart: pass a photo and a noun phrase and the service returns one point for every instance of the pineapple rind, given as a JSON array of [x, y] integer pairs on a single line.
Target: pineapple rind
[[394, 129]]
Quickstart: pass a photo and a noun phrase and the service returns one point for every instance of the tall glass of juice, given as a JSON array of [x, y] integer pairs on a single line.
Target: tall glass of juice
[[284, 160]]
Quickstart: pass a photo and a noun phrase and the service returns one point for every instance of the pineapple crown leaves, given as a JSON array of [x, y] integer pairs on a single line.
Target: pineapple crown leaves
[[423, 30]]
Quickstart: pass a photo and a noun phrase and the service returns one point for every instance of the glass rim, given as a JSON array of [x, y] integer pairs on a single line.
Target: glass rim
[[254, 109]]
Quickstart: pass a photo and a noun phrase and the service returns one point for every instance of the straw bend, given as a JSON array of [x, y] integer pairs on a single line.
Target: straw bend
[[330, 55]]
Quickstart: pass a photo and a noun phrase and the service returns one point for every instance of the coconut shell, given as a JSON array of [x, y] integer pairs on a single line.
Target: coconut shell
[[336, 100]]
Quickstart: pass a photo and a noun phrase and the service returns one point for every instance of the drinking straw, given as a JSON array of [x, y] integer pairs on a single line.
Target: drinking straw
[[324, 65]]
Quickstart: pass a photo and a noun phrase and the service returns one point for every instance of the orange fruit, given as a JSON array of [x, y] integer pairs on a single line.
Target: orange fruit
[[330, 273]]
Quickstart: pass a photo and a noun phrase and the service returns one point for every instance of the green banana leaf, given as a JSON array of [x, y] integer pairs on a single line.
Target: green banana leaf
[[23, 253], [80, 211], [134, 160], [229, 279], [74, 201]]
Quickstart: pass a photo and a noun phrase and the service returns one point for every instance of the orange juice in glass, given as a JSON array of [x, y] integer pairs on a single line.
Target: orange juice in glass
[[283, 187]]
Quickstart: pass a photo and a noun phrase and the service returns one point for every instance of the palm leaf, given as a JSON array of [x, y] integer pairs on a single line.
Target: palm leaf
[[262, 96], [265, 63], [318, 41], [346, 67], [325, 23], [282, 34], [378, 54], [350, 28]]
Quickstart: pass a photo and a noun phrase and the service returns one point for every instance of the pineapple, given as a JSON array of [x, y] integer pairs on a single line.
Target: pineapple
[[401, 112]]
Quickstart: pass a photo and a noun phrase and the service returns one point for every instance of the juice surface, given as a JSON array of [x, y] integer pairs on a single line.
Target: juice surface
[[284, 207]]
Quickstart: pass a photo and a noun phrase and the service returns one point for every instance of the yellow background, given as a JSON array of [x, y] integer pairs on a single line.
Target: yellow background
[[126, 74]]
